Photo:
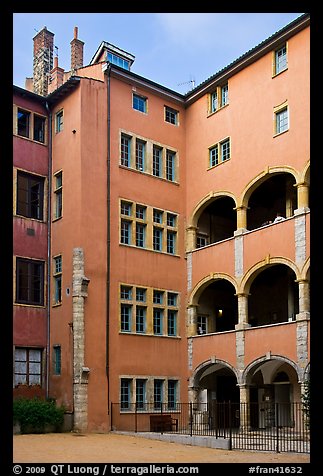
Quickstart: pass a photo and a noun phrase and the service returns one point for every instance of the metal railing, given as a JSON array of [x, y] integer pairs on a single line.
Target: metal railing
[[263, 426]]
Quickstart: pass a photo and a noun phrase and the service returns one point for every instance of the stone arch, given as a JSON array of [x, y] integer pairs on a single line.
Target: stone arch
[[265, 358], [207, 363], [253, 272], [203, 283], [305, 269], [305, 174], [262, 177], [205, 201]]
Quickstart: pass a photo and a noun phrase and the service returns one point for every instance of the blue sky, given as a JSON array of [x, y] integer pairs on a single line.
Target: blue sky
[[172, 49]]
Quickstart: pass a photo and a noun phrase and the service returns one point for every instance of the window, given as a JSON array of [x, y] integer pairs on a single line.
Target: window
[[171, 219], [126, 208], [30, 195], [202, 324], [144, 310], [214, 156], [58, 195], [224, 94], [117, 60], [219, 153], [125, 318], [141, 212], [172, 394], [126, 292], [140, 155], [158, 321], [39, 128], [158, 393], [29, 281], [171, 115], [140, 394], [172, 299], [141, 294], [219, 98], [170, 165], [214, 101], [225, 150], [157, 239], [138, 229], [140, 235], [125, 232], [59, 121], [57, 359], [280, 61], [125, 150], [57, 273], [281, 120], [31, 125], [125, 392], [140, 319], [158, 297], [23, 122], [157, 161], [201, 241], [171, 242], [171, 322], [28, 366], [157, 216], [139, 103]]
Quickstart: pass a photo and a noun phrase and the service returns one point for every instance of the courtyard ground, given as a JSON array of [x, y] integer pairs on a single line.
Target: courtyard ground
[[120, 448]]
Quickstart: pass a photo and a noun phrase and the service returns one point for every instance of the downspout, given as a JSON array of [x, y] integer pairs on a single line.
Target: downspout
[[108, 234], [49, 214]]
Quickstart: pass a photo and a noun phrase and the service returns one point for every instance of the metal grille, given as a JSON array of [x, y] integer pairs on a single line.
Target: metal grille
[[278, 427]]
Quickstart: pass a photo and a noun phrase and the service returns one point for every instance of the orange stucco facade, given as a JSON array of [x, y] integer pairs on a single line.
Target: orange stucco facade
[[222, 294]]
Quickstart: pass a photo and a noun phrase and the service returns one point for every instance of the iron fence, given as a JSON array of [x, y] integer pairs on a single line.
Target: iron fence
[[263, 426]]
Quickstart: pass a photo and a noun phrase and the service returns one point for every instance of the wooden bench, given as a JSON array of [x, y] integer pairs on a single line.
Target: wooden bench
[[160, 423]]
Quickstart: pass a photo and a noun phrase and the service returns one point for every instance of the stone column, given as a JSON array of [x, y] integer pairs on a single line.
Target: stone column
[[303, 196], [244, 407], [191, 320], [242, 311], [304, 299], [191, 238], [241, 217], [80, 371]]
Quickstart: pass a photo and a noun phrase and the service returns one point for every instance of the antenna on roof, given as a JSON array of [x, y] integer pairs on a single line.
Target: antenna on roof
[[192, 81]]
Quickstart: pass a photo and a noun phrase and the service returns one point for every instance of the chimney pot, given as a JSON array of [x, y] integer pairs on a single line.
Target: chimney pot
[[75, 32], [56, 62]]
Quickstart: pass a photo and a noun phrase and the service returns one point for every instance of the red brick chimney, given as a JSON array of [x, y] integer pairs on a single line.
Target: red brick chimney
[[56, 77], [43, 60], [76, 51]]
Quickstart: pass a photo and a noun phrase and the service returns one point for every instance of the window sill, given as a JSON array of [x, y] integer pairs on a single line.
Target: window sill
[[211, 113], [280, 133], [217, 165], [280, 72]]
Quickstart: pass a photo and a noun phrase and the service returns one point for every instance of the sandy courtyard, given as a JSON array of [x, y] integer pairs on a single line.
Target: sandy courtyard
[[118, 448]]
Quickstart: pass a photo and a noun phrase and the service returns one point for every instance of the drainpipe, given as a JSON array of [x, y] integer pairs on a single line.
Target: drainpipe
[[108, 70], [49, 214]]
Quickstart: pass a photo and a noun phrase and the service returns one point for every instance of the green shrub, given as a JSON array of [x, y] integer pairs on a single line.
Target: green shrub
[[34, 415]]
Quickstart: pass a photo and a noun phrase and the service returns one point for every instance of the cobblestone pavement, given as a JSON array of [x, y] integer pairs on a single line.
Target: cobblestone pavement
[[117, 448]]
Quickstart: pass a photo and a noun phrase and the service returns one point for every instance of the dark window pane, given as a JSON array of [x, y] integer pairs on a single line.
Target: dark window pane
[[23, 123], [39, 128]]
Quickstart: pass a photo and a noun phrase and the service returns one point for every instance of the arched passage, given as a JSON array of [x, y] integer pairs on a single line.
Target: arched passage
[[215, 383], [273, 391], [273, 194], [215, 221], [274, 296], [216, 307]]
